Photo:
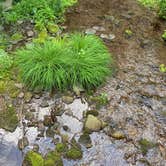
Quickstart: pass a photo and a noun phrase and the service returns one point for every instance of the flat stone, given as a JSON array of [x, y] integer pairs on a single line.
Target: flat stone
[[90, 31], [67, 99]]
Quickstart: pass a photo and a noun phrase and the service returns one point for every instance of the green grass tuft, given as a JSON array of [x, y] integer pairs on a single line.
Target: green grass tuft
[[65, 62]]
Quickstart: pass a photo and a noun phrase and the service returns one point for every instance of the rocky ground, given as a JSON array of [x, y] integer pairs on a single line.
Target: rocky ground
[[123, 122]]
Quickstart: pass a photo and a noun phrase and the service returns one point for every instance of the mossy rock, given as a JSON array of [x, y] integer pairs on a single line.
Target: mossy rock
[[85, 140], [74, 154], [53, 159], [145, 145], [8, 119], [92, 112], [60, 147], [33, 159], [49, 162]]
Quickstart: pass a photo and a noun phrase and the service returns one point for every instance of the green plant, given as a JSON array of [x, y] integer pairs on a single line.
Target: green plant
[[65, 62], [5, 63], [41, 12], [164, 36], [162, 10], [162, 68]]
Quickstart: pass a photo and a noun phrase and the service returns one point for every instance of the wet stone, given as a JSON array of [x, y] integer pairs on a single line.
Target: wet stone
[[47, 120], [36, 148], [66, 128], [44, 104], [93, 123], [67, 99], [85, 140], [22, 143]]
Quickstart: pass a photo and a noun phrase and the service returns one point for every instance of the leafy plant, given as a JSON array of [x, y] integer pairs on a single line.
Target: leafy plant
[[41, 12], [65, 62], [5, 63], [162, 11], [162, 68], [164, 36]]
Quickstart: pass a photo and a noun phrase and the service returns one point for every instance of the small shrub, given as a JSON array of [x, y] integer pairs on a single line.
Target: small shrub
[[164, 36], [40, 11], [64, 63], [5, 63], [162, 10]]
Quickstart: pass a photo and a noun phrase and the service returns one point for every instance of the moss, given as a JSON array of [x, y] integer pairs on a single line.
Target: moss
[[53, 157], [33, 159], [17, 37], [74, 154], [92, 112], [164, 36], [145, 145], [60, 147], [8, 119], [100, 100], [49, 162]]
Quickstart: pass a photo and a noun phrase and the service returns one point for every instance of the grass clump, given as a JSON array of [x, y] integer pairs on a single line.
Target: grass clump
[[65, 62]]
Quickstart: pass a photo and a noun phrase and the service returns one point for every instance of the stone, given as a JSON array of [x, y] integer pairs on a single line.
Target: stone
[[21, 95], [47, 120], [41, 126], [19, 85], [104, 36], [57, 110], [30, 33], [28, 97], [90, 31], [29, 116], [8, 119], [85, 140], [44, 104], [93, 123], [36, 148], [111, 36], [98, 28], [92, 112], [117, 134], [67, 99], [37, 96], [22, 143], [66, 128], [50, 132]]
